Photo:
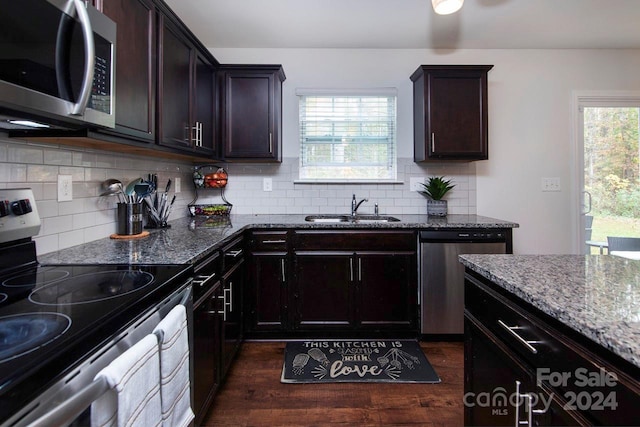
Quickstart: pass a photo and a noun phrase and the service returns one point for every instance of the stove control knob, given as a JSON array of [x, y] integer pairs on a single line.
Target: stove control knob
[[21, 207], [4, 208]]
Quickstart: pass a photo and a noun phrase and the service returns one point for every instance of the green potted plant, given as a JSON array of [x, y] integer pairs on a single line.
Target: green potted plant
[[434, 190]]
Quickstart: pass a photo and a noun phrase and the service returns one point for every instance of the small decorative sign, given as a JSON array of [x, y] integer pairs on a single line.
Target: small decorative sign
[[399, 361]]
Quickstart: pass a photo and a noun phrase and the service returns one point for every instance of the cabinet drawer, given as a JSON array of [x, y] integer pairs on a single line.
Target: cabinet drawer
[[585, 380], [269, 240], [206, 273], [355, 240], [232, 254]]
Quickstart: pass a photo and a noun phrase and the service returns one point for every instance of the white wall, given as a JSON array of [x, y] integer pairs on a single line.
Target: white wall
[[530, 119]]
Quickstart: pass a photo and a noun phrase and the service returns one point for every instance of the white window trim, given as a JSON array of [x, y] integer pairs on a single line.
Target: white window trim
[[377, 91]]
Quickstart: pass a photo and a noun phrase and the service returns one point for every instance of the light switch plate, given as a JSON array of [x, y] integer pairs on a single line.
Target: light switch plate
[[551, 184], [65, 188]]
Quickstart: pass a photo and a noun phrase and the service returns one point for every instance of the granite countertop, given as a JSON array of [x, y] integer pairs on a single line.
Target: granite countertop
[[598, 296], [190, 239]]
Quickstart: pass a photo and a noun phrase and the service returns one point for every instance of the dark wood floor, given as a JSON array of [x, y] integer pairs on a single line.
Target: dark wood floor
[[254, 396]]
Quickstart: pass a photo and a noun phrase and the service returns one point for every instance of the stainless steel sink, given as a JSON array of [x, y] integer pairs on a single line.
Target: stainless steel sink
[[375, 218], [328, 218], [347, 218]]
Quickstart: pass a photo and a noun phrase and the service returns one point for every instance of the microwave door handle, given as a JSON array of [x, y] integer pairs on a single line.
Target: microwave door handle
[[89, 59]]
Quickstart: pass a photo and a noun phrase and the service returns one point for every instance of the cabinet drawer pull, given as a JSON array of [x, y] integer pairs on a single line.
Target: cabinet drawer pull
[[273, 242], [512, 329], [234, 254], [200, 280]]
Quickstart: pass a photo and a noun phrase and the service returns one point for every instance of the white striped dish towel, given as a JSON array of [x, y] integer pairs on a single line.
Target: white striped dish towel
[[175, 387], [134, 397]]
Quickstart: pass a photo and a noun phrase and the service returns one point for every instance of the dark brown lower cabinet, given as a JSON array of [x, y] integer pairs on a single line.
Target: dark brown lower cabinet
[[231, 298], [325, 291], [267, 292], [355, 282], [386, 295], [502, 391], [525, 368], [206, 350]]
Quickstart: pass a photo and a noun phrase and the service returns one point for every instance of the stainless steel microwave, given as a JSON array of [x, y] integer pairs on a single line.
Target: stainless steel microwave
[[57, 65]]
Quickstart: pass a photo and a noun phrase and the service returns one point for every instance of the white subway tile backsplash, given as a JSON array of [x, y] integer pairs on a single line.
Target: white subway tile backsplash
[[90, 216], [57, 224], [46, 244], [42, 173], [71, 238], [24, 153], [58, 157], [17, 173]]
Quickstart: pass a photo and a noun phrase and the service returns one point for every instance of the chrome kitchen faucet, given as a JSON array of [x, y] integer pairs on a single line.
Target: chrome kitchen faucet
[[355, 205]]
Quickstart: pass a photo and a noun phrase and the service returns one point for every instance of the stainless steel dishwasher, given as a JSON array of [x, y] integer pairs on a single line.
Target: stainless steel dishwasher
[[442, 275]]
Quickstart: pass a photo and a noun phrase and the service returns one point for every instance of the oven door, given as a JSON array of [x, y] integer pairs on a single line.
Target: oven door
[[56, 64], [68, 401]]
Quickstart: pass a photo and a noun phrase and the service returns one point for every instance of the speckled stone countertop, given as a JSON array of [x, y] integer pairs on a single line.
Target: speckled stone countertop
[[596, 295], [190, 239]]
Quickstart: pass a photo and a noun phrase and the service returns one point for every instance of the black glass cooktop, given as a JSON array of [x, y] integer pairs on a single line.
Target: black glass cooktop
[[52, 316]]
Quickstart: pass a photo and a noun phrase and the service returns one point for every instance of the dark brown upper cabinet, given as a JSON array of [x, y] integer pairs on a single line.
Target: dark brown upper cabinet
[[450, 112], [251, 112], [135, 102], [186, 92]]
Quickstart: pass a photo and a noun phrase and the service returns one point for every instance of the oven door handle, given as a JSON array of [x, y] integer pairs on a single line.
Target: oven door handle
[[187, 294], [68, 410]]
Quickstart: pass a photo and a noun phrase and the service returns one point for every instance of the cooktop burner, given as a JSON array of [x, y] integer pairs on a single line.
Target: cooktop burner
[[91, 287], [35, 277], [23, 333]]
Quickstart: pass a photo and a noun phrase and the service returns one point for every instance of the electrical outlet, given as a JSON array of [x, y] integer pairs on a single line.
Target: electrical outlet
[[177, 185], [414, 183], [65, 188], [551, 184], [267, 184]]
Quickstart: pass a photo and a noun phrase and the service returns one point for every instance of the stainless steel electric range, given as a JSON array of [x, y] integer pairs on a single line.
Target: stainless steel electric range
[[54, 319]]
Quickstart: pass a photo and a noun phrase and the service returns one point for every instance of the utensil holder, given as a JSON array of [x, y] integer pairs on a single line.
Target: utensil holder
[[129, 218]]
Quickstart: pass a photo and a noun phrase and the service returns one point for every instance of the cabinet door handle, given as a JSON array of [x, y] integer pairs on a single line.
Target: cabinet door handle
[[200, 134], [270, 143], [224, 305], [360, 269], [433, 142], [230, 302], [273, 242], [283, 272], [351, 269], [519, 396], [527, 344]]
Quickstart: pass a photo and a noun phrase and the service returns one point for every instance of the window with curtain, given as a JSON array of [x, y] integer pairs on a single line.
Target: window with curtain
[[347, 135]]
